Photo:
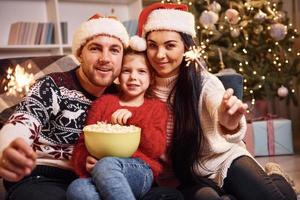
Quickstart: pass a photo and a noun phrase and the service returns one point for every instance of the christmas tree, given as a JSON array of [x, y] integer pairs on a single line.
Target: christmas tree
[[255, 38]]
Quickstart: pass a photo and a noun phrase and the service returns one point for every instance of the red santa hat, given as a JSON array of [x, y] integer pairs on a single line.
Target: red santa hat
[[97, 25], [163, 16]]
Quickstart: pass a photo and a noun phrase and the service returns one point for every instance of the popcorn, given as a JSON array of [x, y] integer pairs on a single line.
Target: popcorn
[[103, 127]]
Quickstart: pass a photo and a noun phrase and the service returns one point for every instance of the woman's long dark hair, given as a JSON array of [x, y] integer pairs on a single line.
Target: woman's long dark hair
[[187, 143]]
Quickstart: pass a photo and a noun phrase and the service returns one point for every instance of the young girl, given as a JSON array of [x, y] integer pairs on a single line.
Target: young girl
[[206, 123], [123, 178]]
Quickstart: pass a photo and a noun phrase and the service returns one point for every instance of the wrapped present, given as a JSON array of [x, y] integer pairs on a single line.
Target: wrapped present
[[269, 137], [248, 139]]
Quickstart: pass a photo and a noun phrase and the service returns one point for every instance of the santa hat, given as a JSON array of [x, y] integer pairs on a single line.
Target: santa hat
[[161, 16], [97, 25]]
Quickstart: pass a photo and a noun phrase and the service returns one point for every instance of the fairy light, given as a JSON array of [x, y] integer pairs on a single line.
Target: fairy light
[[190, 3], [293, 37], [286, 61], [279, 69], [253, 101], [259, 86], [221, 27], [246, 62], [207, 40], [279, 64], [245, 87], [270, 50], [245, 51], [293, 90], [276, 43], [263, 77], [241, 69], [234, 44], [245, 80], [274, 62], [290, 24], [198, 27], [289, 49], [298, 54], [254, 72], [241, 64]]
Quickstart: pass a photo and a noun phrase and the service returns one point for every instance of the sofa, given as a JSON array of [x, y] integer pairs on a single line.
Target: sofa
[[41, 66]]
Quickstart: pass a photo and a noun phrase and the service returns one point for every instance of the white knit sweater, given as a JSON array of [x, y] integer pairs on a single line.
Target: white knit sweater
[[220, 149]]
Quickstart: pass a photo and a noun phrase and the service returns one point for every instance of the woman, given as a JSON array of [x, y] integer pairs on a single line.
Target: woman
[[207, 123]]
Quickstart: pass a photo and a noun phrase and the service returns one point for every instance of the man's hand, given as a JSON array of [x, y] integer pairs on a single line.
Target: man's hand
[[90, 163], [231, 111], [121, 116], [17, 160]]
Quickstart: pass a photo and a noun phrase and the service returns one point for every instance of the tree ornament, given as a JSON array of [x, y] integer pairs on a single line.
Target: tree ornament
[[278, 31], [232, 16], [208, 18], [215, 7], [260, 16], [258, 29], [235, 32], [281, 16], [282, 91]]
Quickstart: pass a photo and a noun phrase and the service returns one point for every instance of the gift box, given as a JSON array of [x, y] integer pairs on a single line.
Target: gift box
[[269, 137]]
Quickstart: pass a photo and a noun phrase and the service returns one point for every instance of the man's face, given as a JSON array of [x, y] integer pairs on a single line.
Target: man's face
[[101, 60]]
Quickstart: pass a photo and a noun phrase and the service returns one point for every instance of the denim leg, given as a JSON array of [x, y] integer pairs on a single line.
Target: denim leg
[[122, 178], [82, 189]]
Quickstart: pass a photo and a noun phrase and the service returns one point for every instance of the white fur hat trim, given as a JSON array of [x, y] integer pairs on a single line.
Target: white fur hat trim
[[137, 43], [170, 19], [103, 25]]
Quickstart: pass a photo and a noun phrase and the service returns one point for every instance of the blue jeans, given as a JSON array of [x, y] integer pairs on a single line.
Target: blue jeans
[[113, 178]]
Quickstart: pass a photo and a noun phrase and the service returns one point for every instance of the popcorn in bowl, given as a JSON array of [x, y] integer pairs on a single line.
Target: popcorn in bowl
[[103, 139]]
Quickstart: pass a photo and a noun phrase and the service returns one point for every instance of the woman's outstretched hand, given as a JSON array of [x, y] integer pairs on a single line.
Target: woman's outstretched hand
[[231, 111]]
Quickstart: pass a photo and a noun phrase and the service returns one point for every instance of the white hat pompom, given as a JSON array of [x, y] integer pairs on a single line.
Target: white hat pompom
[[137, 43]]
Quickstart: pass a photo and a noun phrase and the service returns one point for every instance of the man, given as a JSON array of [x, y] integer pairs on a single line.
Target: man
[[37, 141]]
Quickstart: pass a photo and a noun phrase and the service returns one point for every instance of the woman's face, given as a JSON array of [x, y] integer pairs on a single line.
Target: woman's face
[[165, 51]]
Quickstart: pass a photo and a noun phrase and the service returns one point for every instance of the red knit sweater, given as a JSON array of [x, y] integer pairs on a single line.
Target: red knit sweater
[[151, 117]]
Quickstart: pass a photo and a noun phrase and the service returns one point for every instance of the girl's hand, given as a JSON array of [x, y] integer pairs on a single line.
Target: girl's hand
[[90, 163], [230, 112], [120, 116]]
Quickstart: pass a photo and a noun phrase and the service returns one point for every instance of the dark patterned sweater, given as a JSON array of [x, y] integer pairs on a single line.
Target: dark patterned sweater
[[50, 118], [151, 117]]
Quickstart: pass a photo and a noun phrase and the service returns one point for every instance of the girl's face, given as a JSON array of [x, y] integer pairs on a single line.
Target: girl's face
[[135, 76], [165, 51]]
